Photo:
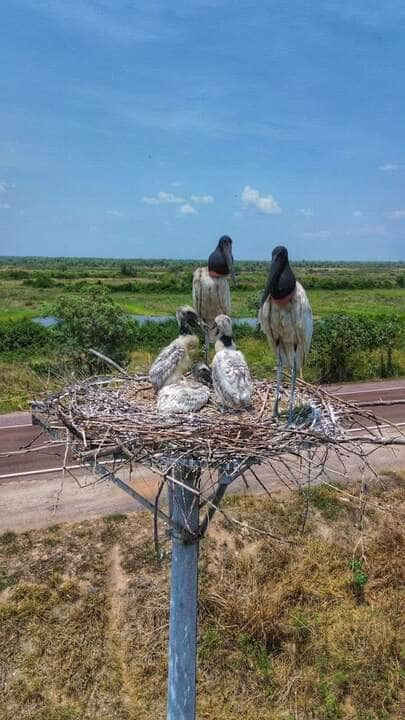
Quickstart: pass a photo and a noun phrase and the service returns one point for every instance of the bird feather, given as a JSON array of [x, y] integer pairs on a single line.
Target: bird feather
[[183, 397], [168, 363], [211, 297], [231, 379]]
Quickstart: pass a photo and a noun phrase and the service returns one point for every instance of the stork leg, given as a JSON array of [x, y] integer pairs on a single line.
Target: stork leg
[[206, 346], [278, 383], [292, 394]]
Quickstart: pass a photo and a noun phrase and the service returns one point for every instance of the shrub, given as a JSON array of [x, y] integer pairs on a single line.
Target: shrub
[[152, 335], [16, 335], [14, 274], [40, 280], [127, 269], [91, 319], [336, 340]]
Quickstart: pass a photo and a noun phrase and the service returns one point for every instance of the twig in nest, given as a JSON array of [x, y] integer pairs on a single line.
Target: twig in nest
[[109, 361]]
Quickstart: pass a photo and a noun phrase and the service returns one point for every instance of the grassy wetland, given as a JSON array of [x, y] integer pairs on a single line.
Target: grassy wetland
[[30, 288]]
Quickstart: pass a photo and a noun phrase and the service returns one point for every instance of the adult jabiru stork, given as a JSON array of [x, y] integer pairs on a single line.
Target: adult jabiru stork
[[285, 317], [211, 292]]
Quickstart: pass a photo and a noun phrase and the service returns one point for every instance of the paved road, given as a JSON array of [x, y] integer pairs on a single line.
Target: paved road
[[373, 392]]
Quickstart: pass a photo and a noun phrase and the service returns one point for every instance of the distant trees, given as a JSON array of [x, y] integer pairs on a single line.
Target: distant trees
[[40, 280], [127, 269]]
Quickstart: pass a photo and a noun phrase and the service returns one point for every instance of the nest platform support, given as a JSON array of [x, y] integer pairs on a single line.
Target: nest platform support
[[181, 692], [197, 456]]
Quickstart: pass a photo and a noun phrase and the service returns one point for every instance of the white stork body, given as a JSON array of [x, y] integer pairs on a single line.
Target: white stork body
[[211, 297], [231, 377], [285, 317], [288, 328], [173, 361], [182, 397]]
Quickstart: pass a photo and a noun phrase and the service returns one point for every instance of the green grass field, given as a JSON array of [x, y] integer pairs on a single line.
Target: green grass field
[[17, 301]]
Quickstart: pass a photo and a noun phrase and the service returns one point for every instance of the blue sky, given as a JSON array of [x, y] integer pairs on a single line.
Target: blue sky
[[149, 129]]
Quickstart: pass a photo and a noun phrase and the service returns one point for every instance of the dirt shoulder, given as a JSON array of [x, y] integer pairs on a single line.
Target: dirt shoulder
[[49, 499]]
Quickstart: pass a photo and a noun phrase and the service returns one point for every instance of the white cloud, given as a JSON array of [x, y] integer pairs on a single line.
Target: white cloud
[[188, 209], [4, 206], [306, 212], [357, 213], [396, 214], [388, 167], [264, 203], [116, 213], [163, 197], [5, 186], [202, 199], [317, 234], [176, 183]]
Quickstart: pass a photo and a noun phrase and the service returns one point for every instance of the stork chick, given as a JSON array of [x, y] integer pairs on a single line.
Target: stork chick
[[176, 358], [182, 397], [230, 374], [202, 373], [285, 317], [211, 293]]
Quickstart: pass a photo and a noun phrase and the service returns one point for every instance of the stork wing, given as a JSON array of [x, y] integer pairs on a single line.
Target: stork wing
[[182, 398], [304, 320], [231, 377], [265, 323], [165, 363], [197, 290], [211, 296]]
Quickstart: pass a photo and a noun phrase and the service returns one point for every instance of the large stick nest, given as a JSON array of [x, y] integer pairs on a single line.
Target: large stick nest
[[112, 416]]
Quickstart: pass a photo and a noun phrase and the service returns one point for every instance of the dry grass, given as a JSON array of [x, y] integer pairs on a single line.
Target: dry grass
[[283, 633]]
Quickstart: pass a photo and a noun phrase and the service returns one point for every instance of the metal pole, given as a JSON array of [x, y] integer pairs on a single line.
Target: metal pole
[[181, 695]]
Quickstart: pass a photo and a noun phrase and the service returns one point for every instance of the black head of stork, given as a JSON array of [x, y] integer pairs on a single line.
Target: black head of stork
[[187, 320], [281, 280], [220, 261]]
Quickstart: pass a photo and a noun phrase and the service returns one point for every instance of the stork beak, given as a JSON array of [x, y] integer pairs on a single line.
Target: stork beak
[[203, 325]]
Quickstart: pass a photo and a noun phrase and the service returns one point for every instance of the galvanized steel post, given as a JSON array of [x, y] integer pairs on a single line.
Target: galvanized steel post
[[181, 695]]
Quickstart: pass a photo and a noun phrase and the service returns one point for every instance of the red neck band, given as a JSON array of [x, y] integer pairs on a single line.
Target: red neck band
[[214, 274], [284, 300]]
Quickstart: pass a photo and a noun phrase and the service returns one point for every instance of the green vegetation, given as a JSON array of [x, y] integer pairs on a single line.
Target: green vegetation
[[361, 306], [21, 335], [360, 577], [338, 338], [91, 319], [285, 631]]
